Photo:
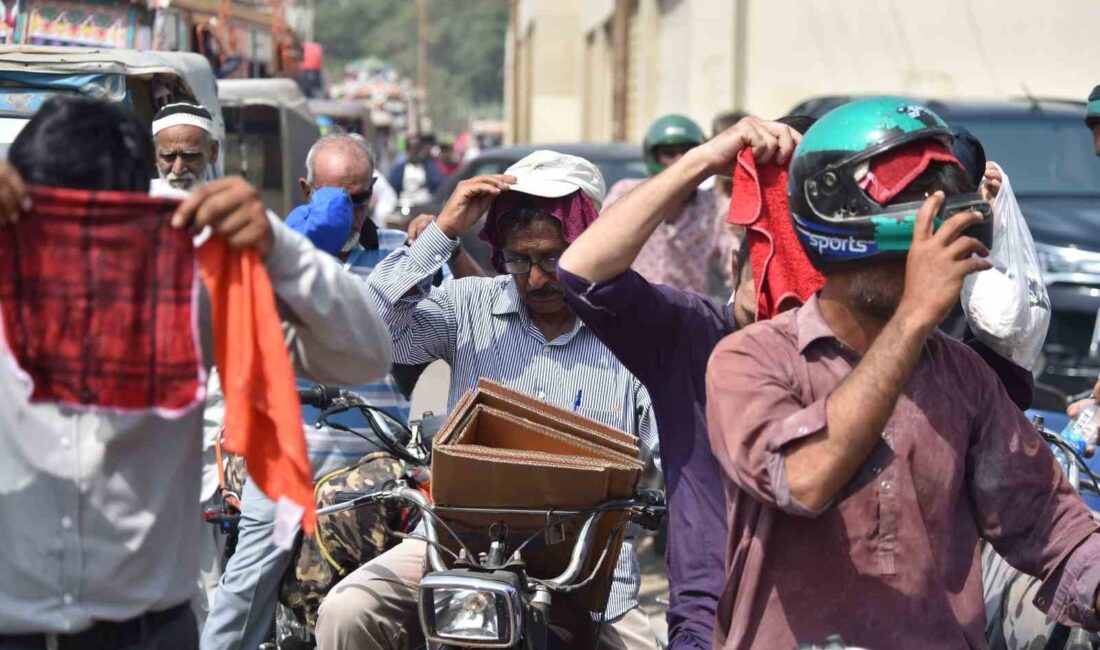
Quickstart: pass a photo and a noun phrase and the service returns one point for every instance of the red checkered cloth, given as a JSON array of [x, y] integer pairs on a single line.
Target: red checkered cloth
[[97, 293]]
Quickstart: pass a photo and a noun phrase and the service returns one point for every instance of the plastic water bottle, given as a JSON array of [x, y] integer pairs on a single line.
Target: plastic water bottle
[[1081, 431]]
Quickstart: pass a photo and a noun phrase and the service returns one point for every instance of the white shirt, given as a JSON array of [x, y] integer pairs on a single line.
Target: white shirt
[[99, 516], [385, 200]]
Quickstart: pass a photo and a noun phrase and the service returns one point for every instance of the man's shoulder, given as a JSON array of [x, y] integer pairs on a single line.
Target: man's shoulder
[[943, 348], [477, 290], [776, 335], [619, 189], [627, 184]]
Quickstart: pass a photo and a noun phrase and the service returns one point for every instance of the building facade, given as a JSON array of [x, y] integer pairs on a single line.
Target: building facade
[[602, 70]]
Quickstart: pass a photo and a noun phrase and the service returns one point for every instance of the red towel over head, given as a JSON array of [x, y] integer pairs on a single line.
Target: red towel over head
[[263, 417], [575, 212], [96, 291], [783, 275], [891, 172]]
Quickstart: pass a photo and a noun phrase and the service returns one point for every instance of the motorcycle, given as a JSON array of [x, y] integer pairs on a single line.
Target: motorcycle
[[489, 600], [401, 448]]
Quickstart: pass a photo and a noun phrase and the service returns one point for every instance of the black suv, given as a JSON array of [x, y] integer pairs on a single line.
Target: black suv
[[1047, 152]]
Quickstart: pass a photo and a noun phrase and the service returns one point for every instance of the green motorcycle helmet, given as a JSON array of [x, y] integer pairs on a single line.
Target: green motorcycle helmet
[[837, 222], [1092, 109], [669, 130]]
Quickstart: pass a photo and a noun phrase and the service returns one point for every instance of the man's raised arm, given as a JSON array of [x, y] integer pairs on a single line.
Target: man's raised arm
[[610, 245]]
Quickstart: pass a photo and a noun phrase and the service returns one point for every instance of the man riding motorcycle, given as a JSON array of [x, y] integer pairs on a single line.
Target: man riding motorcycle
[[514, 328], [865, 452]]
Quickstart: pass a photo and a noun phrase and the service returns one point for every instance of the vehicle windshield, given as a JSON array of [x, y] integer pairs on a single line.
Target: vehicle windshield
[[1043, 156]]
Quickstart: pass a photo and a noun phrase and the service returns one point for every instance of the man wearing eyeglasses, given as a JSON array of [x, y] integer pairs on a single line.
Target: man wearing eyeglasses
[[515, 328]]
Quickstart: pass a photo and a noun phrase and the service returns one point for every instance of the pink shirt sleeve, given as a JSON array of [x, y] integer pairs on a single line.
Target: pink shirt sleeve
[[1026, 509], [754, 410]]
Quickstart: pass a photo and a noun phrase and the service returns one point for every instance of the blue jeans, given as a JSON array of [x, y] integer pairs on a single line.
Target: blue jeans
[[244, 607]]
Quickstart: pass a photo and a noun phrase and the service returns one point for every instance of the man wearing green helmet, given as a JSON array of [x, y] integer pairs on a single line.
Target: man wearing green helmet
[[694, 238], [864, 453], [1092, 117]]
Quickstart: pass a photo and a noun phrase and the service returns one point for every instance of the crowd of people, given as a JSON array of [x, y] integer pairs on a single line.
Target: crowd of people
[[834, 463]]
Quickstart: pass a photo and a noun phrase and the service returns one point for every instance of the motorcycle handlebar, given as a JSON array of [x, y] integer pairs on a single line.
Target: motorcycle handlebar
[[319, 396], [581, 548]]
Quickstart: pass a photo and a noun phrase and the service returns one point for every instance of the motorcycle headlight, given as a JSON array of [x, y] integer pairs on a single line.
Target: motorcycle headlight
[[472, 611], [1063, 264]]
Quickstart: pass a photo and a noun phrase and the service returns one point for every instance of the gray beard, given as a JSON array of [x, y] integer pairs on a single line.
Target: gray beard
[[187, 182]]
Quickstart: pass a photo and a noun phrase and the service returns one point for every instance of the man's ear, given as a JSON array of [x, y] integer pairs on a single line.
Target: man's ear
[[215, 147], [304, 185]]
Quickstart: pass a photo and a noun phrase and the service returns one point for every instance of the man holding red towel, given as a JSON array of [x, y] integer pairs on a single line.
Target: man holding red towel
[[665, 337], [98, 508], [864, 454]]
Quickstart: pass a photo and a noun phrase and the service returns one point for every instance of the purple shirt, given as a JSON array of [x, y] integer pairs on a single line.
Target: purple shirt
[[893, 561], [664, 336]]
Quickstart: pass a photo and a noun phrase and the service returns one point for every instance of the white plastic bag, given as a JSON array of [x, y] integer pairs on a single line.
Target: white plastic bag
[[1007, 306]]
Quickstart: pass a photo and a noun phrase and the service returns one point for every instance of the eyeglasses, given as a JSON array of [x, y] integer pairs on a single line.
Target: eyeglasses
[[523, 266]]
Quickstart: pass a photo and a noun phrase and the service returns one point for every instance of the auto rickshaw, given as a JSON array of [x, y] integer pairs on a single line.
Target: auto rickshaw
[[144, 80]]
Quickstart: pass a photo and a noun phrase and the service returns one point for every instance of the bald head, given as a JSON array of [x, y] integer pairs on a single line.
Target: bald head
[[343, 161], [338, 160]]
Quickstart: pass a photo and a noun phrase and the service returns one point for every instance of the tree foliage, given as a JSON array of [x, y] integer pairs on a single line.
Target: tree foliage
[[465, 49]]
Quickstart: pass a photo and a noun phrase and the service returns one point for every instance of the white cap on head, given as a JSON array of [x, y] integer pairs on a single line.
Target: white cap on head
[[183, 113], [552, 175]]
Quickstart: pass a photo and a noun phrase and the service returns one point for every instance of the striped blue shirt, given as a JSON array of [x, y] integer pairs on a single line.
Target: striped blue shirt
[[482, 329], [331, 449]]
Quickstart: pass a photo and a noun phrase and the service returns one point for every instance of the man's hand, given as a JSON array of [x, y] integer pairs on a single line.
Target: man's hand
[[417, 226], [232, 207], [469, 201], [13, 197], [937, 264], [991, 182], [1075, 409], [770, 142]]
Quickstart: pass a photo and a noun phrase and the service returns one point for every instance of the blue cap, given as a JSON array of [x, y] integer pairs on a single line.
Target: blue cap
[[326, 220]]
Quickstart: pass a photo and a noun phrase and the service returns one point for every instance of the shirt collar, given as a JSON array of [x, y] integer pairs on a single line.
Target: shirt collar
[[388, 240], [507, 300], [810, 324]]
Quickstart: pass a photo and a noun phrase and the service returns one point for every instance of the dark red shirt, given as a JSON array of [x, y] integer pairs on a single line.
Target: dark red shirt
[[893, 562]]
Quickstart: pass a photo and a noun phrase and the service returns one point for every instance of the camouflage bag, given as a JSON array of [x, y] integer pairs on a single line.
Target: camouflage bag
[[344, 540], [235, 473]]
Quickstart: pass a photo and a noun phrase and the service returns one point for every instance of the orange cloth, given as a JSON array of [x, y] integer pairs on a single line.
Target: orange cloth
[[781, 271], [263, 418]]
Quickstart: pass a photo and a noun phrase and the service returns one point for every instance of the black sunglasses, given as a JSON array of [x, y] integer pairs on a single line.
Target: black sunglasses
[[359, 199]]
